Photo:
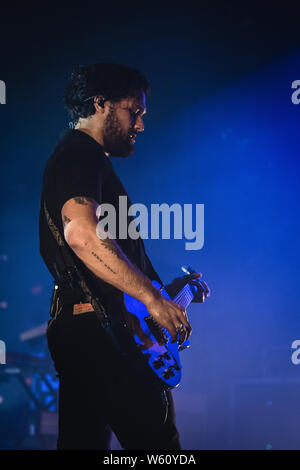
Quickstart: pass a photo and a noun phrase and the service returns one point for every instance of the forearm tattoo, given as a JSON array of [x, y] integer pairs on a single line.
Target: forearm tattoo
[[112, 248], [101, 261]]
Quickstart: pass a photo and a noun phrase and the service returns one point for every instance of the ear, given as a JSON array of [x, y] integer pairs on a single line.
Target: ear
[[99, 103]]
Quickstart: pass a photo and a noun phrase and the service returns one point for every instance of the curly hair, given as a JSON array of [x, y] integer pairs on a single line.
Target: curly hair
[[111, 80]]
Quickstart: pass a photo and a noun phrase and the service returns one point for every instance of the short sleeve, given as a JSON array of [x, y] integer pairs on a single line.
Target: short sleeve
[[79, 171]]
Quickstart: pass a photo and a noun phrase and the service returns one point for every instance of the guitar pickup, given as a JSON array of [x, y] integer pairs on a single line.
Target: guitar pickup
[[156, 330], [168, 373]]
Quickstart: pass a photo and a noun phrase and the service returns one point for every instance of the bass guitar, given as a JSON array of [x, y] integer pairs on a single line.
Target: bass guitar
[[150, 347]]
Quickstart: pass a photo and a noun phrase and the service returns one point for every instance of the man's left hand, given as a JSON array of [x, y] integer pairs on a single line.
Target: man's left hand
[[178, 283]]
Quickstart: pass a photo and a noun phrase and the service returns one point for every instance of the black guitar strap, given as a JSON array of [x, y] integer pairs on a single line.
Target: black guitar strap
[[68, 273]]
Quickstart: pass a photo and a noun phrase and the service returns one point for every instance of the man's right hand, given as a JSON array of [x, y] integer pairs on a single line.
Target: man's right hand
[[169, 315]]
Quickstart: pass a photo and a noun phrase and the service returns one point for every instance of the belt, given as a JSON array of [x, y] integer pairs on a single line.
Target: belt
[[82, 308]]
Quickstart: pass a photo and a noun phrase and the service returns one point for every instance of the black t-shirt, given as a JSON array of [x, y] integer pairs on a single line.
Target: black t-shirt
[[79, 167]]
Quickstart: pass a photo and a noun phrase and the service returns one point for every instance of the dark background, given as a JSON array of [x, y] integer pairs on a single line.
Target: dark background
[[220, 130]]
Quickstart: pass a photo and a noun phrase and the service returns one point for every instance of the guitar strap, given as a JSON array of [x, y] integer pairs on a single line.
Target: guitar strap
[[68, 275]]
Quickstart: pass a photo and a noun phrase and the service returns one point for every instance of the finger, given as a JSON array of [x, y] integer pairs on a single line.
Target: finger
[[187, 324], [183, 315], [198, 295], [202, 287], [198, 298], [182, 334], [184, 320], [201, 296], [197, 284], [174, 334], [188, 333], [206, 288], [193, 276]]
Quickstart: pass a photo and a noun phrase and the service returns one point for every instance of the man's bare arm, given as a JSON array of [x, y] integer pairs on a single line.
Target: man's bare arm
[[107, 261]]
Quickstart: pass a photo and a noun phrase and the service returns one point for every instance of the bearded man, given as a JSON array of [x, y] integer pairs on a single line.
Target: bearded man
[[100, 391]]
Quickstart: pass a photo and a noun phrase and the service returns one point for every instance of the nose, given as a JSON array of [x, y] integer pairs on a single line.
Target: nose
[[139, 125]]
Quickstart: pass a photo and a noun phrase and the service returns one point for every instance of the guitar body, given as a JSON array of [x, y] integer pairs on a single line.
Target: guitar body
[[152, 343]]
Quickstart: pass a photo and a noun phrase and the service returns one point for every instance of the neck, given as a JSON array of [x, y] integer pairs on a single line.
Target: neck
[[92, 133]]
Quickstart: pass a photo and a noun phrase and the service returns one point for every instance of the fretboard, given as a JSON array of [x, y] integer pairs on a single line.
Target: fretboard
[[184, 297]]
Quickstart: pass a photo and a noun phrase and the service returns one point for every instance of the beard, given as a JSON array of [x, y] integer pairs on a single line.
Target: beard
[[116, 141]]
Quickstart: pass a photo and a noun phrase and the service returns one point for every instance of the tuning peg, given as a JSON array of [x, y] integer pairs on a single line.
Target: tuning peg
[[188, 270]]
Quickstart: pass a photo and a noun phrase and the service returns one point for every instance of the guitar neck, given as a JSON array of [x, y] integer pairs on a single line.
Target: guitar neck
[[185, 296]]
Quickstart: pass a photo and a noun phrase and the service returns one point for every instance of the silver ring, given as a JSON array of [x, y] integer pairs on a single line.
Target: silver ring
[[180, 329]]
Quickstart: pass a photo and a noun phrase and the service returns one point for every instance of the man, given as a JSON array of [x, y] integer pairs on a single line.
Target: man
[[99, 389]]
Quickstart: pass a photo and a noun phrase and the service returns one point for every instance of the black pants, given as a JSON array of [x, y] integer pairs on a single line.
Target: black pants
[[100, 391]]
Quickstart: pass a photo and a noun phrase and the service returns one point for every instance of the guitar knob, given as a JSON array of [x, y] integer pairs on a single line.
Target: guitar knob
[[166, 355], [168, 373]]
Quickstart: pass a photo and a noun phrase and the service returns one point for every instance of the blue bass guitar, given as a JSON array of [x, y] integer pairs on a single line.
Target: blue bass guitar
[[151, 347]]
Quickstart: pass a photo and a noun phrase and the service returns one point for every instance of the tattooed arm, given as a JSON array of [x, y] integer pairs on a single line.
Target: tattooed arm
[[107, 261]]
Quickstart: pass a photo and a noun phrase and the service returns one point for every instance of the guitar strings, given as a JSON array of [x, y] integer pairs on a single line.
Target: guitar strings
[[181, 295], [184, 296]]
